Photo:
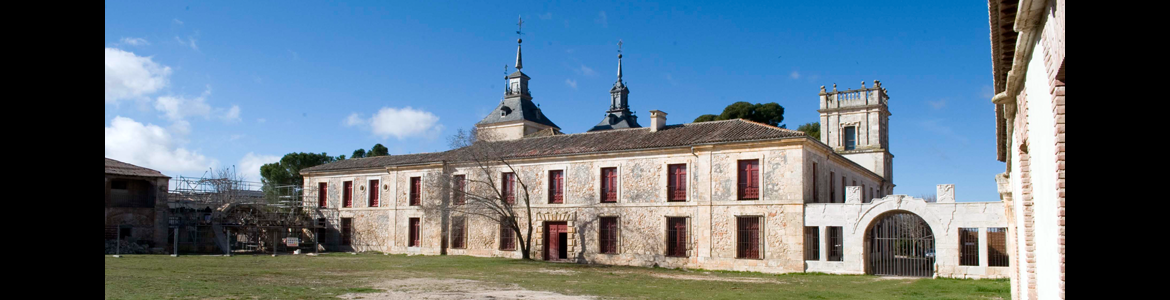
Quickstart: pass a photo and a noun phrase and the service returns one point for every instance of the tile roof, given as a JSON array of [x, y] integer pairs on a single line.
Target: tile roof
[[515, 109], [680, 135], [120, 168]]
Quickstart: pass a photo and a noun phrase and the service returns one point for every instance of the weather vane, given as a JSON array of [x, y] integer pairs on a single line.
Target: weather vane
[[519, 26], [619, 46]]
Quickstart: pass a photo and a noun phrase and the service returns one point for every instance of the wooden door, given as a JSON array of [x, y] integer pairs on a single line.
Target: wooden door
[[553, 245]]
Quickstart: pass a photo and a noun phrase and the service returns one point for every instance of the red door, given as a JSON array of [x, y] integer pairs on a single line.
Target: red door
[[555, 234]]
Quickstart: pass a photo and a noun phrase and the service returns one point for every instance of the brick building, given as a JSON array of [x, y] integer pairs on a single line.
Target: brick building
[[1027, 47], [726, 195]]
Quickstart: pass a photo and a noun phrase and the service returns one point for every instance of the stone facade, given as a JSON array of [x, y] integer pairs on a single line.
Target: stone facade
[[1030, 139], [136, 203]]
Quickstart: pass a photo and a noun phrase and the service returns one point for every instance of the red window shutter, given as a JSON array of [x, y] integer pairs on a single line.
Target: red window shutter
[[556, 186], [749, 173], [677, 237], [415, 191], [346, 194], [677, 182], [509, 187], [609, 185], [415, 230], [608, 234], [322, 193], [372, 190]]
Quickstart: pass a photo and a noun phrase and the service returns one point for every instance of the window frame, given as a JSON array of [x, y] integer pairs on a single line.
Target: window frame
[[510, 236], [609, 188], [812, 243], [459, 232], [556, 186], [373, 196], [322, 194], [415, 191], [676, 183], [346, 227], [997, 236], [414, 238], [459, 189], [969, 254], [347, 194], [508, 187], [744, 236], [846, 137], [608, 236], [744, 168], [672, 247], [835, 243]]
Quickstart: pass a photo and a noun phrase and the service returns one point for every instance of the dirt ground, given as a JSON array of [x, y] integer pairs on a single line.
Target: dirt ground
[[432, 288]]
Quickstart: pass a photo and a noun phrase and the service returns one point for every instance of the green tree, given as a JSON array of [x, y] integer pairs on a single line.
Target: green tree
[[768, 113], [359, 153], [288, 169], [812, 129], [378, 150]]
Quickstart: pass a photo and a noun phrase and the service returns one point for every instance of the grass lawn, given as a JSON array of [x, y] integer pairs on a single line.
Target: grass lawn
[[330, 275]]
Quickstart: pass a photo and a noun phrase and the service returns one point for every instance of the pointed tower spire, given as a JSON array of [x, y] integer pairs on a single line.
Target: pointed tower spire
[[619, 60], [519, 25], [619, 114]]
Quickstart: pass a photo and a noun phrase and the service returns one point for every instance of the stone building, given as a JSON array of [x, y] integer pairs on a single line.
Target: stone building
[[725, 195], [1027, 48], [136, 205]]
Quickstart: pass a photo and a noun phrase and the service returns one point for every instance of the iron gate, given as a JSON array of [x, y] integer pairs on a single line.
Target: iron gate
[[901, 244]]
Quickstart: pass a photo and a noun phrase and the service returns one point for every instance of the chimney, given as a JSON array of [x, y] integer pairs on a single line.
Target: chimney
[[657, 120]]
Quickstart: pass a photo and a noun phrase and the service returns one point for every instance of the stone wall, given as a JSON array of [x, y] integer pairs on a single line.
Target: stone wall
[[944, 219], [711, 208]]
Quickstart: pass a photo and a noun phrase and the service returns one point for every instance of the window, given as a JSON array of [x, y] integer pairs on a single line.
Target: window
[[415, 191], [836, 241], [608, 185], [460, 194], [749, 179], [347, 194], [676, 236], [968, 246], [843, 196], [322, 193], [832, 187], [346, 229], [608, 234], [816, 197], [415, 232], [508, 187], [458, 232], [997, 247], [748, 239], [507, 236], [372, 191], [812, 245], [864, 196], [676, 182], [850, 137], [556, 186]]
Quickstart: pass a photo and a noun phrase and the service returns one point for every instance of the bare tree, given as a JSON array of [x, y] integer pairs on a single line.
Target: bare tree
[[484, 191]]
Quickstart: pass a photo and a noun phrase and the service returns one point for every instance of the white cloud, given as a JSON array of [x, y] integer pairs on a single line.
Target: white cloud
[[400, 123], [179, 108], [261, 120], [177, 22], [135, 41], [571, 83], [584, 70], [794, 75], [190, 42], [670, 79], [249, 166], [131, 76], [937, 104], [602, 19], [153, 147], [233, 114]]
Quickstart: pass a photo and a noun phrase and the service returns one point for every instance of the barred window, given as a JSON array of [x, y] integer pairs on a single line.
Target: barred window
[[816, 197], [507, 236], [812, 243], [346, 229], [415, 232], [458, 232], [748, 239], [968, 246], [997, 247], [676, 236], [832, 187], [608, 234], [836, 243]]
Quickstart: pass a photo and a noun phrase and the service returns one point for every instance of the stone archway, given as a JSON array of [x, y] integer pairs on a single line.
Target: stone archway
[[899, 243]]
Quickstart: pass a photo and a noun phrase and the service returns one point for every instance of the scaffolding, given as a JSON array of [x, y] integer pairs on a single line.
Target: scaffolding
[[220, 213]]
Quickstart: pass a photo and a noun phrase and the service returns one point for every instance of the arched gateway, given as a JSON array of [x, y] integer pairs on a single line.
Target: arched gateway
[[899, 243]]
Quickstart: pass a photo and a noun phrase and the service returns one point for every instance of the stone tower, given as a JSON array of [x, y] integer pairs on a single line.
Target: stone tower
[[517, 115], [855, 123], [619, 115]]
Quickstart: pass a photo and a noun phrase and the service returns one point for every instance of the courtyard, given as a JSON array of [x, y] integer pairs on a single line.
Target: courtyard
[[377, 276]]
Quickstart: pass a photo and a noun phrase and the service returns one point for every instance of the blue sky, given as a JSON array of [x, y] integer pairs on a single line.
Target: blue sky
[[192, 86]]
